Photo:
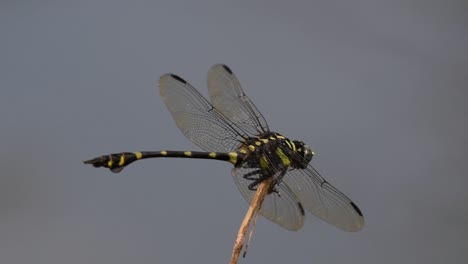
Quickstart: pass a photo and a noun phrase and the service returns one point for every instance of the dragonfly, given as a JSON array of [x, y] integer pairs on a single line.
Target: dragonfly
[[229, 127]]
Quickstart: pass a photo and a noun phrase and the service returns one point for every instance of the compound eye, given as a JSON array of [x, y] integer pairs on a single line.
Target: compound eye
[[308, 153]]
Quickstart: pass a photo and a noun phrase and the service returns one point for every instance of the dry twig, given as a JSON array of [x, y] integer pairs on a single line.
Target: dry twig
[[254, 207]]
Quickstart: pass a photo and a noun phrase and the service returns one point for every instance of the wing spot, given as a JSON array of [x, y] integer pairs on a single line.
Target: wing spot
[[178, 78], [356, 208], [227, 69], [164, 153], [301, 208], [188, 153]]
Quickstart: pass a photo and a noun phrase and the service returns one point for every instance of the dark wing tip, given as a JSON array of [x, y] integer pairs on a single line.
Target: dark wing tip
[[178, 78], [226, 68], [356, 209], [301, 208]]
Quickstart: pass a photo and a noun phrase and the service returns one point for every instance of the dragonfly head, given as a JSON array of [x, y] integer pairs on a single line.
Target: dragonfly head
[[305, 152]]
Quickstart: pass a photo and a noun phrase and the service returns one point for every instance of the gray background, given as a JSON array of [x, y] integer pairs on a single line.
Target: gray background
[[378, 88]]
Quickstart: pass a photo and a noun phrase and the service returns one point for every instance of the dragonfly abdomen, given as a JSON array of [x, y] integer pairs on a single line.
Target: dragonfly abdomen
[[117, 161]]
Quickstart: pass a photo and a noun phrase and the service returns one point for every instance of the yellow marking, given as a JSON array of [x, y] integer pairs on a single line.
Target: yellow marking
[[258, 143], [263, 162], [272, 138], [293, 146], [251, 148], [212, 155], [288, 143], [110, 163], [264, 140], [188, 153], [232, 157], [285, 159], [164, 153], [243, 151], [122, 160], [280, 137], [138, 155]]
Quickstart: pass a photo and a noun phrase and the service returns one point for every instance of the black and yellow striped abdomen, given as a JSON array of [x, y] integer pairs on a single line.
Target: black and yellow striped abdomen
[[117, 161]]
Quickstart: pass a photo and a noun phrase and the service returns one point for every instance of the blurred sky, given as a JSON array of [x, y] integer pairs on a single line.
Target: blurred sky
[[377, 88]]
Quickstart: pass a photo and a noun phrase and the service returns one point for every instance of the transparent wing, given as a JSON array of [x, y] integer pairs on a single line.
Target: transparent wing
[[229, 98], [282, 208], [322, 199], [198, 120]]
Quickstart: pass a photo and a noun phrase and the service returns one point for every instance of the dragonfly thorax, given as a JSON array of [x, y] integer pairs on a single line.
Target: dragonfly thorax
[[279, 149]]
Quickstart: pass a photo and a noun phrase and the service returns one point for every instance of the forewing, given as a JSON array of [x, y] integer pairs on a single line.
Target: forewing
[[323, 200], [229, 98], [196, 117], [282, 208]]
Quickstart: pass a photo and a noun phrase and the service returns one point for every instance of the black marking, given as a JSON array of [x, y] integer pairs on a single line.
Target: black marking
[[227, 69], [356, 208], [178, 78], [301, 208]]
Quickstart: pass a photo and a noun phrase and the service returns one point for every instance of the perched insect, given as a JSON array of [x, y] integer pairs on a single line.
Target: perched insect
[[231, 128]]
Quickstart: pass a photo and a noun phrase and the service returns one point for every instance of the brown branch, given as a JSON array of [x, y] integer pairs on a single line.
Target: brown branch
[[260, 194]]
